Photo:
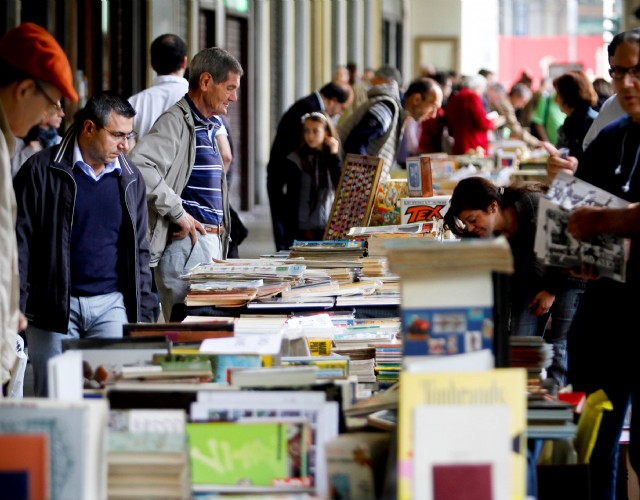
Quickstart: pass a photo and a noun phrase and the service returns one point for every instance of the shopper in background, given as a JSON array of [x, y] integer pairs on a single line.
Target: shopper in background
[[42, 135], [375, 128], [169, 61], [576, 97], [34, 75], [604, 89], [467, 120], [331, 99], [547, 116], [506, 105]]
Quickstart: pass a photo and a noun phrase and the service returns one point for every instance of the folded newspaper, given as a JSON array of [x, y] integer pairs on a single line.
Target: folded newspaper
[[556, 247]]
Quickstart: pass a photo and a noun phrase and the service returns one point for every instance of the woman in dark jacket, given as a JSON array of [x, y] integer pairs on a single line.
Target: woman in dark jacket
[[478, 208], [576, 97]]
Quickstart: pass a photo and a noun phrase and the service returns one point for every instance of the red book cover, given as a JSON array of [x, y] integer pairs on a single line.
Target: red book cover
[[30, 453], [462, 482], [576, 399]]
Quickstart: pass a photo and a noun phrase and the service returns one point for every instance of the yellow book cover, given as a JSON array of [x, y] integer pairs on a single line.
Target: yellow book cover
[[502, 386], [320, 347]]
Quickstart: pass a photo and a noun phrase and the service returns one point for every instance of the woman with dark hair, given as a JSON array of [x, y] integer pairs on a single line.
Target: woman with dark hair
[[576, 97], [479, 208], [312, 173]]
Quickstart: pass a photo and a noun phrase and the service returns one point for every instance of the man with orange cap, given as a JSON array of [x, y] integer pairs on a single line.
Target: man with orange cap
[[34, 75]]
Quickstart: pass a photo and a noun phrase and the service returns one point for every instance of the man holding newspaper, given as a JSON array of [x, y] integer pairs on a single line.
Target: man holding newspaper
[[603, 349]]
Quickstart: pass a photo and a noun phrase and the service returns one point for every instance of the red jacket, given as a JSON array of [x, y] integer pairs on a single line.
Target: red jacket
[[467, 122]]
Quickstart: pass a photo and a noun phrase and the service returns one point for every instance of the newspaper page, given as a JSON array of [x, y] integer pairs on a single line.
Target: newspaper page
[[556, 247]]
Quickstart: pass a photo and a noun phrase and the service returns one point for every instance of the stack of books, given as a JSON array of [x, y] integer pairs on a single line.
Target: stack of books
[[328, 250], [534, 354], [550, 419], [329, 367], [388, 362], [148, 455], [361, 362]]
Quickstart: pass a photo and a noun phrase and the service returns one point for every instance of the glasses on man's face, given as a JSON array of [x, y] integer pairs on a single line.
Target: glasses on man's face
[[121, 136], [54, 107], [618, 72]]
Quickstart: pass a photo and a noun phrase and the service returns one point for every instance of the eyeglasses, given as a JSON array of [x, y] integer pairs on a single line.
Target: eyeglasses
[[119, 136], [618, 72], [54, 107]]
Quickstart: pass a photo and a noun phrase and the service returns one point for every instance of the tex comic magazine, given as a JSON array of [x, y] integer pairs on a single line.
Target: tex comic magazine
[[554, 246]]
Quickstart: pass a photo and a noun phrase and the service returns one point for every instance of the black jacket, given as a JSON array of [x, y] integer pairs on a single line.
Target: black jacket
[[288, 138], [45, 191]]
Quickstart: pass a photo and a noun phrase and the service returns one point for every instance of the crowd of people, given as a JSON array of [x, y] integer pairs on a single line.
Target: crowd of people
[[99, 221]]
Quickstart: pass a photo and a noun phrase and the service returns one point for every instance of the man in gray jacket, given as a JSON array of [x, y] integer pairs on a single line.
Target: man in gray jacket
[[186, 181]]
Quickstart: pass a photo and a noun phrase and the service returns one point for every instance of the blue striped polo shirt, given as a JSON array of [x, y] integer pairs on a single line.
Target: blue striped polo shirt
[[202, 196]]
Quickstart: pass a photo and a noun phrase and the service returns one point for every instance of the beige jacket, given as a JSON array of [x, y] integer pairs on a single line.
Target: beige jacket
[[9, 277], [165, 157]]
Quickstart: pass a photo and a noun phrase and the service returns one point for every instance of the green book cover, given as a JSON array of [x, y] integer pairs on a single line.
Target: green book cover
[[238, 453]]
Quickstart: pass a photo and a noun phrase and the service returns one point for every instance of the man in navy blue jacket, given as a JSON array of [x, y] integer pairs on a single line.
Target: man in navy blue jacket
[[603, 341], [81, 231]]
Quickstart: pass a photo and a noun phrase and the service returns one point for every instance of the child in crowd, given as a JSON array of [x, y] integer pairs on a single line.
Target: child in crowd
[[312, 173]]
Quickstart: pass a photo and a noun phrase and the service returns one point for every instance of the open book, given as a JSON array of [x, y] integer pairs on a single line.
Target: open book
[[556, 247]]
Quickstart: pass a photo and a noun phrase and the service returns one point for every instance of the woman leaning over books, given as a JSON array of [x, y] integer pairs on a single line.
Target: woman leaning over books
[[538, 294]]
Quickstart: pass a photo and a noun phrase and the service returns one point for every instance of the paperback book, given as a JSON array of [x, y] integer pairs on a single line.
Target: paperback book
[[554, 246]]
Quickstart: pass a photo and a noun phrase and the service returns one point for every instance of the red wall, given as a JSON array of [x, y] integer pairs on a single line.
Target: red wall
[[531, 53]]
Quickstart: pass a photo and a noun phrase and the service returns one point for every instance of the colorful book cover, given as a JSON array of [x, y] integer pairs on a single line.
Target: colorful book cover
[[27, 453], [386, 208], [76, 435], [414, 210], [451, 330], [502, 386], [238, 453]]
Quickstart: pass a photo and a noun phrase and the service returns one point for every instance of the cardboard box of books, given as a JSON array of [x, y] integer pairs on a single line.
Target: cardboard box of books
[[423, 209]]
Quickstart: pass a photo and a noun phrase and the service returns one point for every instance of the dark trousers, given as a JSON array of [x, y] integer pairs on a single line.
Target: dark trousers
[[602, 352]]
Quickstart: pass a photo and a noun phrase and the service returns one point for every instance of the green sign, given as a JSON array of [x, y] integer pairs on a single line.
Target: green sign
[[239, 5]]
